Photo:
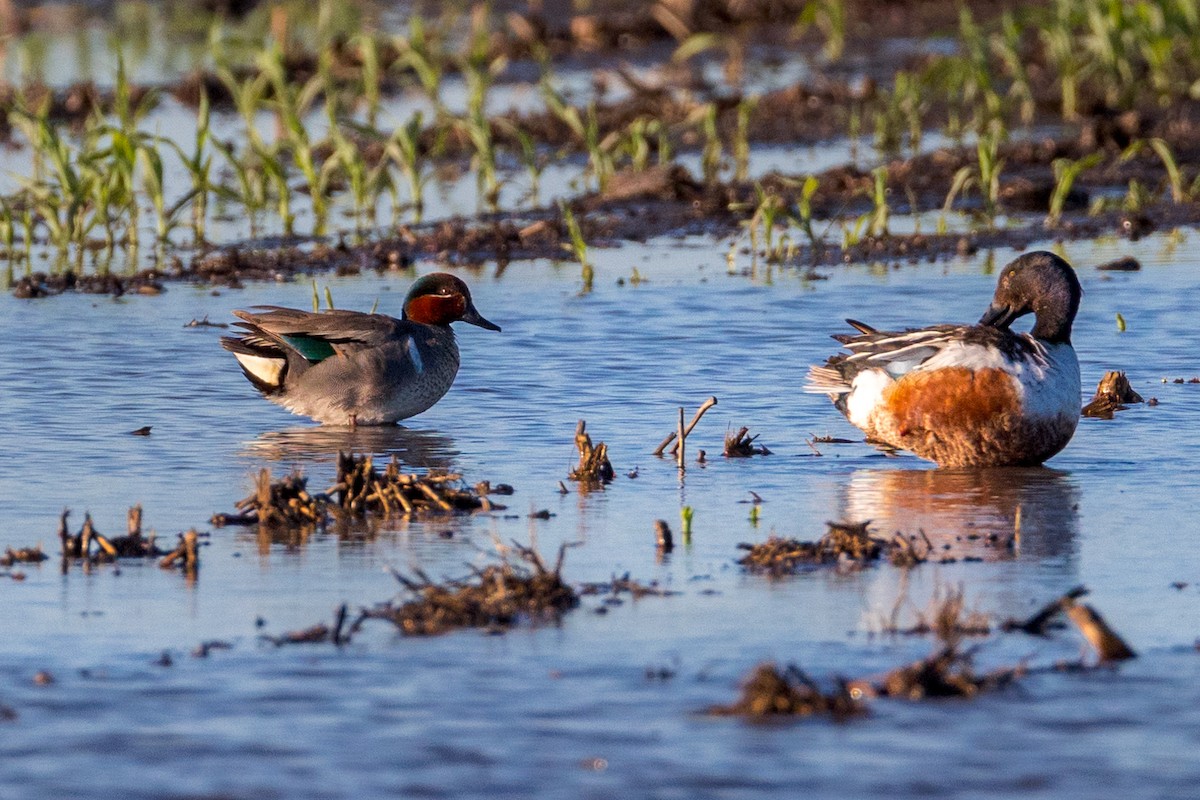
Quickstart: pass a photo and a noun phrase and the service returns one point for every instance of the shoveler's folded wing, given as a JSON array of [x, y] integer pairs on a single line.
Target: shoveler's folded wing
[[900, 352]]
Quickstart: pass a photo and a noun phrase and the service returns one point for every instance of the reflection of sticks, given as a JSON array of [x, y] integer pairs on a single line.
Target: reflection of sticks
[[673, 435]]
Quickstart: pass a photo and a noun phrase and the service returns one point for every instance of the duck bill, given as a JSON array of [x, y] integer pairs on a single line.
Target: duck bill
[[473, 317], [999, 316]]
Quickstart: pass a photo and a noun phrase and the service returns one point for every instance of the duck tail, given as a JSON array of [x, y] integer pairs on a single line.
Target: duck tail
[[263, 362], [826, 379]]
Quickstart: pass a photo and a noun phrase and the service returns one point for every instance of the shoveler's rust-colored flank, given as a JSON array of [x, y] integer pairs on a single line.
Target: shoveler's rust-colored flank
[[952, 397], [966, 417], [435, 309]]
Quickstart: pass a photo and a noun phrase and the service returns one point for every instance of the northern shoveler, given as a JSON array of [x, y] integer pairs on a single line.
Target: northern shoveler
[[970, 395], [350, 368]]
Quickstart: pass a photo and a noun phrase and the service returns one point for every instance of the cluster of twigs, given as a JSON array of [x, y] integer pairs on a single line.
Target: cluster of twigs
[[285, 503], [594, 468], [740, 444], [844, 542], [91, 546], [949, 671], [497, 596], [361, 490], [186, 554]]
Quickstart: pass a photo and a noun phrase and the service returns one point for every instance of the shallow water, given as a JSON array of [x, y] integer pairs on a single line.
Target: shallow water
[[568, 710]]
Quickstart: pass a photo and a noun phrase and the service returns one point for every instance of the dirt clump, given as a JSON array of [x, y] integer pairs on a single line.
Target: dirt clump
[[790, 692], [594, 469], [499, 596], [1112, 395]]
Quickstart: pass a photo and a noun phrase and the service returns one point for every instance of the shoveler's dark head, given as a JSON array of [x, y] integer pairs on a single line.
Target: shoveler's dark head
[[439, 299], [1038, 283]]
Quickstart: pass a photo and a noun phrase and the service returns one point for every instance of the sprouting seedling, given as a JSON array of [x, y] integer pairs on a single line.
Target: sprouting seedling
[[404, 149], [1120, 323], [710, 156], [1163, 150], [316, 298], [805, 210], [754, 514], [741, 144], [1066, 172], [881, 211], [829, 17], [990, 165], [368, 53], [578, 245], [1007, 45], [685, 518]]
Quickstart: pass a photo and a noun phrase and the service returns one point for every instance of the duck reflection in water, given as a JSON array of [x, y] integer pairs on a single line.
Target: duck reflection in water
[[987, 514], [304, 445]]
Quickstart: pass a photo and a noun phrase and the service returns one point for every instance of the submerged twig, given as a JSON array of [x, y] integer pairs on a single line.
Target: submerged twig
[[674, 436]]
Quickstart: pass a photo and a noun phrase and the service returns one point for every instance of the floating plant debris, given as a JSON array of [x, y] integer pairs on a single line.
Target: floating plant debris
[[662, 536], [1112, 395], [339, 634], [771, 692], [843, 542], [948, 672], [626, 585], [740, 444], [594, 468], [1108, 645], [946, 618], [23, 555], [1037, 624], [498, 596]]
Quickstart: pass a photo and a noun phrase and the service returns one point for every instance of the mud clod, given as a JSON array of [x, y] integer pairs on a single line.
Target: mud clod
[[740, 444], [1123, 264], [1112, 395], [778, 556], [771, 692], [23, 555], [594, 468]]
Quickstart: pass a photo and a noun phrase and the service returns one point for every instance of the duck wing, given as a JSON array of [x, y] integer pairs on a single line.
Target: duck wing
[[318, 335], [275, 341], [897, 353]]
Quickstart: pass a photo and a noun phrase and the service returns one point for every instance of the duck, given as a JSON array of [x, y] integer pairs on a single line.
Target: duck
[[969, 395], [351, 368]]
